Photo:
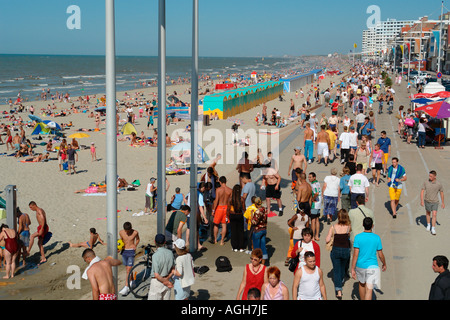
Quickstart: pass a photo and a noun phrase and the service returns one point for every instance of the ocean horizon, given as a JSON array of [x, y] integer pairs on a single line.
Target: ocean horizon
[[30, 74]]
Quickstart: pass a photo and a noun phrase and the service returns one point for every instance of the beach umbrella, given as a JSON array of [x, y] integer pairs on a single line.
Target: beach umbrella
[[79, 135], [439, 110], [34, 118], [52, 125]]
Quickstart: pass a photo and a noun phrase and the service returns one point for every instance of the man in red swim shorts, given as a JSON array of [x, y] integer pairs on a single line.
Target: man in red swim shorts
[[42, 230], [220, 208]]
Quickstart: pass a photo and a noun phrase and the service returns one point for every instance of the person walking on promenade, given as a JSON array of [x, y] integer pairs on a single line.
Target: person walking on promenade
[[316, 204], [440, 289], [323, 142], [429, 198], [357, 216], [259, 222], [376, 164], [163, 265], [297, 161], [345, 189], [130, 238], [385, 146], [340, 254], [344, 139], [274, 289], [308, 142], [331, 194], [308, 281], [99, 273], [396, 177], [367, 247], [359, 185], [254, 276], [236, 217]]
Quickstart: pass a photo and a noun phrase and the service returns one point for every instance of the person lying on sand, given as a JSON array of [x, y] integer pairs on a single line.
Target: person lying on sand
[[94, 237]]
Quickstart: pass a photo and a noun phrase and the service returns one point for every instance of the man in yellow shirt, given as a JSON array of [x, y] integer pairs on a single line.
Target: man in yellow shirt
[[332, 145]]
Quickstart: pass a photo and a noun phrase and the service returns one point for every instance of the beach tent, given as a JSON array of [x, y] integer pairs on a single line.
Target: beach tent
[[128, 128], [40, 128]]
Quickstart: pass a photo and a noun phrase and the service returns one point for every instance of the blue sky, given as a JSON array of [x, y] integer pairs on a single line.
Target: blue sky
[[227, 28]]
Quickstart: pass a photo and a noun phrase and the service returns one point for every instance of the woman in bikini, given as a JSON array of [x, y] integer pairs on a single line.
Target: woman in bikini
[[11, 249]]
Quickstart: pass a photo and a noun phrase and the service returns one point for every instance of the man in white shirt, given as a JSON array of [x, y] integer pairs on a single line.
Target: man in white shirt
[[359, 185], [344, 138]]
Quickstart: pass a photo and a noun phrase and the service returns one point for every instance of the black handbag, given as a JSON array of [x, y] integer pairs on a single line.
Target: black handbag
[[294, 261]]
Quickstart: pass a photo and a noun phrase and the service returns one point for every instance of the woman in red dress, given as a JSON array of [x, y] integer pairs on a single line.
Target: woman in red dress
[[255, 275]]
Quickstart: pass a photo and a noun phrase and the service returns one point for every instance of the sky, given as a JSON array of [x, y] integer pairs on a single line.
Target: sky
[[229, 28]]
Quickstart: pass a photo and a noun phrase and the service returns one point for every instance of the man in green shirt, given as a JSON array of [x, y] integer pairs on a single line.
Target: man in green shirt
[[163, 264], [177, 220]]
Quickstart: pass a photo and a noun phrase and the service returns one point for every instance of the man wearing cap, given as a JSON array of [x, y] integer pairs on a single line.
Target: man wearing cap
[[297, 161], [163, 264]]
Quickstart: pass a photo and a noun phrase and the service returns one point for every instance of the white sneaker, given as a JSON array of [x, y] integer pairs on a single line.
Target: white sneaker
[[124, 291], [241, 250], [428, 228], [309, 161], [433, 231], [248, 252]]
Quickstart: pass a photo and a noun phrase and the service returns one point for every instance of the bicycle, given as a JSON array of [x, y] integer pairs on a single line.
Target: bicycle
[[139, 277]]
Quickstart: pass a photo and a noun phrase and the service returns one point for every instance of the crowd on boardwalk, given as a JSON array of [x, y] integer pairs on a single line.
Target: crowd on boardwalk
[[237, 214]]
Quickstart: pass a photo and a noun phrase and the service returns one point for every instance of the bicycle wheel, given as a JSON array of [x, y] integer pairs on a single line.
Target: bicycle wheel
[[139, 280]]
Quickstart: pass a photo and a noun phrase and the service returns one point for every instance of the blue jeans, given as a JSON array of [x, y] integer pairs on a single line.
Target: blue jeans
[[422, 136], [309, 149], [259, 241], [340, 257]]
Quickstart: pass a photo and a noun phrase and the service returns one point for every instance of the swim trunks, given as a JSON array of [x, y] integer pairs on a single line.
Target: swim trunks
[[107, 296], [128, 257], [322, 149], [45, 231], [220, 215], [272, 193], [394, 194]]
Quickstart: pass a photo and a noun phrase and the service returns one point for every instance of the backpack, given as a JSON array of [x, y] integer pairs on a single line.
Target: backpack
[[223, 264]]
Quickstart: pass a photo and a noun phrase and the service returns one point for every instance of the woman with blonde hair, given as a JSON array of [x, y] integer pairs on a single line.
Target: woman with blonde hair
[[339, 233]]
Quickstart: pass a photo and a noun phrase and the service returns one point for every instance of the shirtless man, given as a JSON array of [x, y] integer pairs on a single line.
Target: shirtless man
[[297, 161], [273, 189], [100, 276], [94, 237], [16, 142], [42, 230], [24, 233], [304, 195], [130, 238], [220, 208], [322, 142], [308, 142]]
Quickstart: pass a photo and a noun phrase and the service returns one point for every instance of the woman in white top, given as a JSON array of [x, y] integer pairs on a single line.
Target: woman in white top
[[331, 193], [184, 271], [298, 222]]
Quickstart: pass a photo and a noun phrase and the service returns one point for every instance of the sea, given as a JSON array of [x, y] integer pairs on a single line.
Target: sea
[[78, 75]]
